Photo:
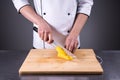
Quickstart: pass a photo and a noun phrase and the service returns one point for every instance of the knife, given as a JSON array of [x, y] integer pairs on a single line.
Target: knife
[[60, 39], [67, 51]]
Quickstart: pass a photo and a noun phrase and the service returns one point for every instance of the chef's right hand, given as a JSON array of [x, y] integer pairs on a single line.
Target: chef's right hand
[[45, 32]]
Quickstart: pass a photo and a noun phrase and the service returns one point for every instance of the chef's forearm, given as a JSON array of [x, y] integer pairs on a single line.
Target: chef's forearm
[[29, 13], [78, 25]]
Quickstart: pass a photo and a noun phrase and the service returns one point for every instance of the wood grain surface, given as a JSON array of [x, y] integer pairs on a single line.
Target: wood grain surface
[[45, 61]]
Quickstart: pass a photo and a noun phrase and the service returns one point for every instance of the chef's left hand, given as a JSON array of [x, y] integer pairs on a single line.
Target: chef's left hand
[[71, 42]]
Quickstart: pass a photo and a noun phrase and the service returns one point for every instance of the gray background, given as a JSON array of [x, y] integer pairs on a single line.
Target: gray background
[[100, 33]]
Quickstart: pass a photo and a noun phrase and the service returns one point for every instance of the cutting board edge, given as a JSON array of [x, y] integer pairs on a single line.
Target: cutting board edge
[[58, 72]]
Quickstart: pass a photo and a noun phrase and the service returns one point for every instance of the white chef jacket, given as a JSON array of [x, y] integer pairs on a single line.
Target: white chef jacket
[[60, 14]]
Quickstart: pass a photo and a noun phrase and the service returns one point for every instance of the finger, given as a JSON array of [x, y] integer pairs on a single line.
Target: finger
[[42, 35], [39, 33], [74, 50], [67, 43], [75, 46], [45, 36], [71, 46], [50, 38]]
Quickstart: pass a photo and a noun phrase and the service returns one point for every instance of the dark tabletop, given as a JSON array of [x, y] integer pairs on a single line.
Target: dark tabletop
[[10, 62]]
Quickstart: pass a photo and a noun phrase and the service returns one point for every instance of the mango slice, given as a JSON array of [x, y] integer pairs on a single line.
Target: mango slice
[[62, 53]]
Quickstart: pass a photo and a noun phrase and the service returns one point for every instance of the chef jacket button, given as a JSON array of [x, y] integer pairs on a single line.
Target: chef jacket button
[[68, 13], [44, 13], [68, 31]]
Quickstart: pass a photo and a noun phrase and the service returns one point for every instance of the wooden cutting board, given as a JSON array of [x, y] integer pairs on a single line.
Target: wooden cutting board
[[45, 61]]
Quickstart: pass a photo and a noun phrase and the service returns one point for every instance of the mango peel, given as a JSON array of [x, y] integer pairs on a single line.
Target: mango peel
[[62, 53]]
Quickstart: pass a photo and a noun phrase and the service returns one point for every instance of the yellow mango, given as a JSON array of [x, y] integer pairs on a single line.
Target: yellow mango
[[62, 53]]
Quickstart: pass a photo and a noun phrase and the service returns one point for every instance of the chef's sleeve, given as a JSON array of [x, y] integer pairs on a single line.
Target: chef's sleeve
[[84, 6], [20, 3]]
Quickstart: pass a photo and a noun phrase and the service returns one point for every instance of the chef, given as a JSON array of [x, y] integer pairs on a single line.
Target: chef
[[59, 21]]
